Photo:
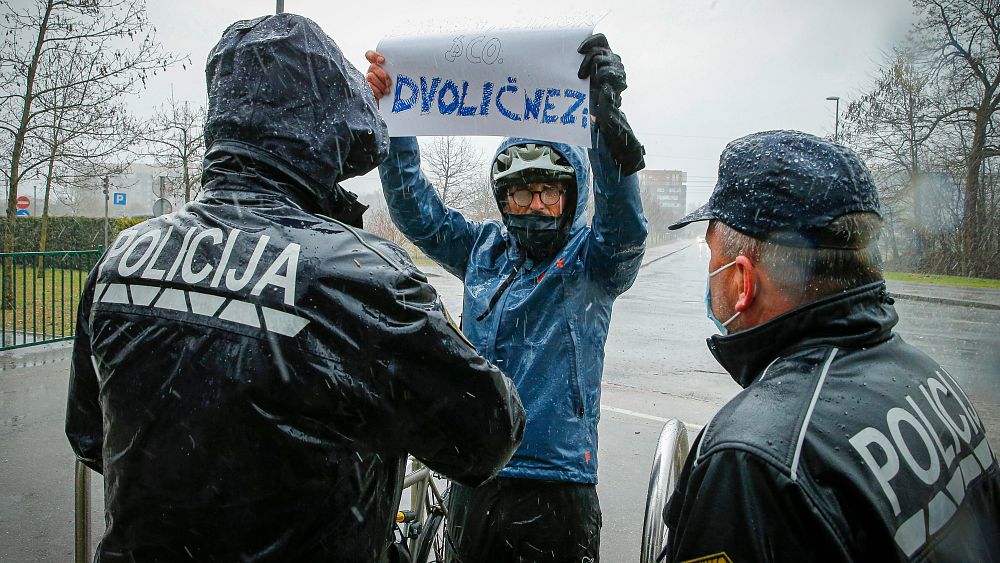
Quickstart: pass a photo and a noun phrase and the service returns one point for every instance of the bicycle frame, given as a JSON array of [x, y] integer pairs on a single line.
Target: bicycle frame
[[420, 481]]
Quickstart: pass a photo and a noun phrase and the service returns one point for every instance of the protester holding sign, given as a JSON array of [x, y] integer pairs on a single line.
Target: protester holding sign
[[539, 291]]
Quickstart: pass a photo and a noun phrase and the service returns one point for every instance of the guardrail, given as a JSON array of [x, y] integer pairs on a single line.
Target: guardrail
[[39, 294]]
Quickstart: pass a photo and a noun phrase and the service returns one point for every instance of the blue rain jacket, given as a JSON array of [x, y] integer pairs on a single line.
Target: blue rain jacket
[[547, 331]]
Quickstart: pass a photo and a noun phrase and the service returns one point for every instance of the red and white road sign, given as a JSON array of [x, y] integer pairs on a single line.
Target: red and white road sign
[[23, 202]]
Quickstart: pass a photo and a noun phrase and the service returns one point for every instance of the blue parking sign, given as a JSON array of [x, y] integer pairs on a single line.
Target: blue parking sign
[[119, 198]]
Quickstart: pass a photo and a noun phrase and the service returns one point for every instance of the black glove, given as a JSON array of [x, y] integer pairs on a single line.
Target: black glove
[[607, 80]]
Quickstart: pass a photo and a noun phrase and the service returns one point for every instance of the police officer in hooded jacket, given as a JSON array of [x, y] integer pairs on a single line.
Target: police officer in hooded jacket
[[250, 372], [539, 288], [847, 443]]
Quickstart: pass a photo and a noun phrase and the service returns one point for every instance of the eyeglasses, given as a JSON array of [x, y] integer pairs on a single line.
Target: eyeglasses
[[550, 195]]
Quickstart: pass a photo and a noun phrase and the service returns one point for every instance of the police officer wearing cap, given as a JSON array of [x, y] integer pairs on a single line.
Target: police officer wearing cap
[[847, 443]]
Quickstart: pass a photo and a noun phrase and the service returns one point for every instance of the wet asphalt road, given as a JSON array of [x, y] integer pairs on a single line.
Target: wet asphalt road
[[657, 366]]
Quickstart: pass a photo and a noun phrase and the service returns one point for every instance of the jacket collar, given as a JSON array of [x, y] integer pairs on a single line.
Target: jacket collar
[[861, 316], [237, 166]]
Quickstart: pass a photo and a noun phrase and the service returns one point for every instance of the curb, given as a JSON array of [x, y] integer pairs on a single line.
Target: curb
[[667, 255], [946, 301]]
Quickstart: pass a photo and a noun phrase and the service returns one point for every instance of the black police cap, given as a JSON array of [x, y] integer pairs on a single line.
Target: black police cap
[[786, 187]]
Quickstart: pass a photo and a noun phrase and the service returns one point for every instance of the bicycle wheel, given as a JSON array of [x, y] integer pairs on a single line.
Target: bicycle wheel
[[430, 546], [671, 452]]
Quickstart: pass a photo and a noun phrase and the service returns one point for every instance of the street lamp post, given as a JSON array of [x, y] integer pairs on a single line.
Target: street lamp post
[[836, 123], [279, 8]]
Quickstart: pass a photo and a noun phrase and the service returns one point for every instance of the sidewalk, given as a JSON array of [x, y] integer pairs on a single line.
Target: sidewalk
[[981, 298]]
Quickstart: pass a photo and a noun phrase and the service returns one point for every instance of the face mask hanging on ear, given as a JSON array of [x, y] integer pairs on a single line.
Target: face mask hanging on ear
[[708, 302]]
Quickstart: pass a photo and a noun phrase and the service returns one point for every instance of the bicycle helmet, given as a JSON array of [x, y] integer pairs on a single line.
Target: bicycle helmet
[[528, 164]]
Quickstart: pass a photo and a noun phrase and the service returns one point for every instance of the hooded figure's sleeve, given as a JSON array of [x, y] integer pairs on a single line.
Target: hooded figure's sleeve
[[458, 413], [418, 212], [410, 381], [84, 423], [618, 236]]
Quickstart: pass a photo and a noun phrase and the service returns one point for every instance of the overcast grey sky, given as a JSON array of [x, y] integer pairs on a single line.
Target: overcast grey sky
[[700, 73]]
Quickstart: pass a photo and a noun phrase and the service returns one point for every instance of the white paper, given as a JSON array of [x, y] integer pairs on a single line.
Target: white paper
[[511, 82]]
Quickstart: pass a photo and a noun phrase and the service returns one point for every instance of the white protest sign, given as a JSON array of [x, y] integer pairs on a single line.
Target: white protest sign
[[513, 82]]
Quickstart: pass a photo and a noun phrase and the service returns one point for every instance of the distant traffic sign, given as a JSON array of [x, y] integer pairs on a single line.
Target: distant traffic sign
[[119, 198], [23, 202], [23, 213], [161, 207]]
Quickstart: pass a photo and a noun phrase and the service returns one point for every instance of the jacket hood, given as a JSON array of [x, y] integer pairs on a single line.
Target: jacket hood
[[577, 158], [858, 317], [280, 84]]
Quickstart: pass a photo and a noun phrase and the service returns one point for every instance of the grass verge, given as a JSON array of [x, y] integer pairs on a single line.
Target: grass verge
[[955, 281]]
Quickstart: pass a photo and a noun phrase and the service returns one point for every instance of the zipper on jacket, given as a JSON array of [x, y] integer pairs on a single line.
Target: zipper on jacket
[[503, 287]]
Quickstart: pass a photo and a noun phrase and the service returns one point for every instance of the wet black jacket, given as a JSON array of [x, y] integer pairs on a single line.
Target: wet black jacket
[[846, 444], [249, 374]]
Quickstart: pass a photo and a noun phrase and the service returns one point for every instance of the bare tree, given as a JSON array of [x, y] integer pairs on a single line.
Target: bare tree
[[455, 167], [84, 134], [111, 39], [889, 127], [966, 36], [378, 222], [483, 202], [177, 143], [929, 127]]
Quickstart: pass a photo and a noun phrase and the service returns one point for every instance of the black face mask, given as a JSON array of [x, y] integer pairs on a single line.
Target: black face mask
[[539, 235]]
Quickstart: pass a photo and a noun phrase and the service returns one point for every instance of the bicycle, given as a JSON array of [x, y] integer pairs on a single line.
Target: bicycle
[[420, 532], [671, 453], [423, 531]]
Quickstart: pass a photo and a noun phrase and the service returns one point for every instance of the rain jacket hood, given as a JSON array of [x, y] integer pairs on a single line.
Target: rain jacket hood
[[281, 95], [577, 158], [544, 321]]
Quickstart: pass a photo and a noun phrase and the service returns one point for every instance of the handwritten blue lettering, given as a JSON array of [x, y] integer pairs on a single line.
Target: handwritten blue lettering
[[512, 88], [550, 93], [398, 103], [453, 97], [484, 108], [462, 108], [568, 117], [447, 109], [532, 107], [427, 95]]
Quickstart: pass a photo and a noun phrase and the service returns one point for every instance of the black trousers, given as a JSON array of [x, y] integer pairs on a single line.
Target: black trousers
[[524, 521]]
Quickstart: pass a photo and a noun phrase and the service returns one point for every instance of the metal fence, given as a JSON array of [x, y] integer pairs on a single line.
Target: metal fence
[[39, 294]]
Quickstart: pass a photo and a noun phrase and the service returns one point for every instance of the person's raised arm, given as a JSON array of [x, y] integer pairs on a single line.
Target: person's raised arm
[[415, 207], [406, 379], [618, 238]]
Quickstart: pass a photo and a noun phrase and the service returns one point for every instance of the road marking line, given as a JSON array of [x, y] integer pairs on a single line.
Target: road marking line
[[694, 428]]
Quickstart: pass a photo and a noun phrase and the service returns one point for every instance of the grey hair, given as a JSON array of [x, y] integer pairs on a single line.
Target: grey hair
[[807, 274]]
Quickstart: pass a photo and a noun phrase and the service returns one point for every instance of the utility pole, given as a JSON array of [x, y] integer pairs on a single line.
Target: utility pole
[[107, 181], [280, 7], [836, 123]]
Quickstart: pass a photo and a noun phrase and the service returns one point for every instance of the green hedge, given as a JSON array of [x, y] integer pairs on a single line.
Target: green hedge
[[66, 233]]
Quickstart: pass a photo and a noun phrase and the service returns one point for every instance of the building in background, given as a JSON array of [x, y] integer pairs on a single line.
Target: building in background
[[132, 194], [664, 200]]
